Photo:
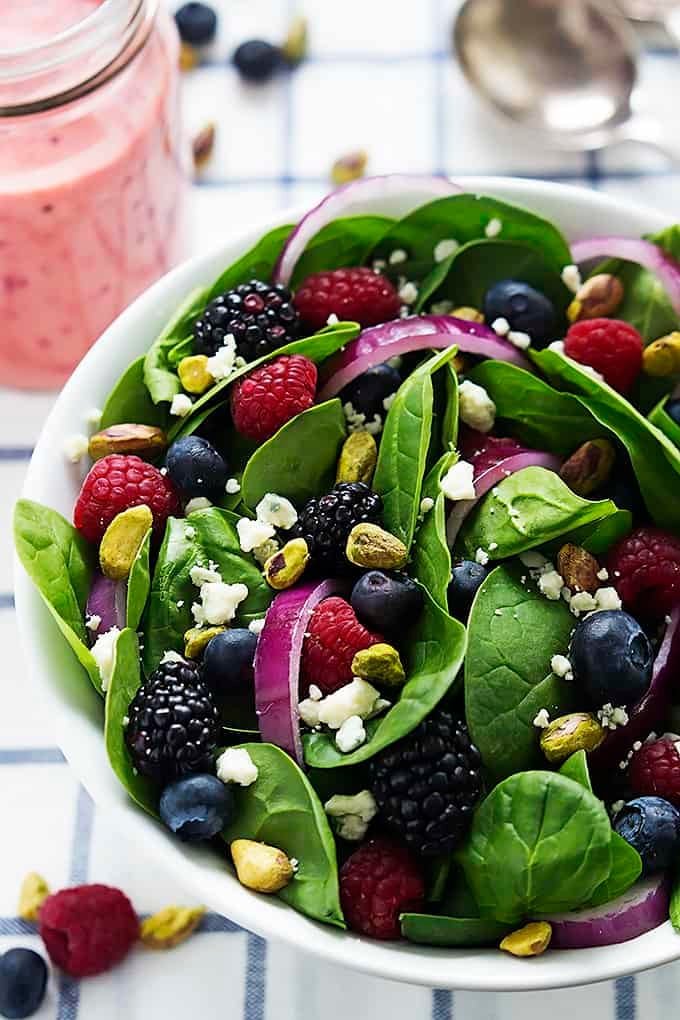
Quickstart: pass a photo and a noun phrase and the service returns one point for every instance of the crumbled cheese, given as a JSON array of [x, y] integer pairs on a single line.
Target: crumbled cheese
[[179, 603], [256, 626], [493, 546], [219, 602], [190, 532], [397, 257], [561, 666], [389, 400], [482, 557], [267, 549], [277, 511], [571, 278], [498, 612], [477, 409], [92, 622], [76, 447], [197, 503], [458, 482], [350, 735], [501, 326], [221, 364], [444, 248], [493, 227], [181, 405], [204, 575], [607, 598], [171, 656], [533, 560], [550, 584], [611, 718], [356, 698], [582, 602], [315, 692], [351, 815], [380, 706], [408, 293], [236, 766], [379, 265], [426, 504], [93, 417], [309, 712], [603, 575], [441, 307], [589, 370], [617, 806], [557, 346], [356, 421], [542, 719], [253, 533], [332, 320], [104, 654], [232, 487], [518, 339]]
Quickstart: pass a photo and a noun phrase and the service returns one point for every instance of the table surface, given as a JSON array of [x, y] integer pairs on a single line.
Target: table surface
[[379, 76]]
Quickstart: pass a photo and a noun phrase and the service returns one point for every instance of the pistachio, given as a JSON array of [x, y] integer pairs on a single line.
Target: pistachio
[[358, 458], [194, 375], [662, 358], [202, 145], [468, 314], [145, 440], [598, 297], [350, 167], [197, 638], [371, 547], [531, 940], [589, 467], [260, 867], [170, 926], [287, 565], [189, 57], [579, 731], [579, 568], [34, 891], [294, 46], [122, 540], [380, 663]]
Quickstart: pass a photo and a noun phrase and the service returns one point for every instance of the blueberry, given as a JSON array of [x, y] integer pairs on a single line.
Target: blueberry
[[196, 468], [466, 579], [386, 602], [196, 23], [257, 60], [611, 658], [527, 310], [228, 659], [197, 807], [652, 826], [23, 979], [672, 409], [368, 391]]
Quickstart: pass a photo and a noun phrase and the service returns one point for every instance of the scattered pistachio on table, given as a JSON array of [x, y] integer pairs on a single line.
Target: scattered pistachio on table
[[349, 167]]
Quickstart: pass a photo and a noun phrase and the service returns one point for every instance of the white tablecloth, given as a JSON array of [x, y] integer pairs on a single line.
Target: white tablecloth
[[379, 76]]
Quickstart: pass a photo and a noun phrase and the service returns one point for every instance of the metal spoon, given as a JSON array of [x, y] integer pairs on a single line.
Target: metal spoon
[[566, 71]]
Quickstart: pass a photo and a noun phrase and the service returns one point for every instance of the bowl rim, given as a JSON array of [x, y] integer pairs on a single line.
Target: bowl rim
[[479, 969]]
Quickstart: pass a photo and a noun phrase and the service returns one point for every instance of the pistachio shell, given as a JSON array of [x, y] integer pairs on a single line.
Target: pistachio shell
[[579, 731], [194, 375], [122, 540], [372, 547], [358, 458], [260, 867], [286, 567], [598, 297], [170, 926], [589, 467], [579, 568], [34, 891], [380, 663], [531, 940], [196, 639], [662, 358], [146, 441]]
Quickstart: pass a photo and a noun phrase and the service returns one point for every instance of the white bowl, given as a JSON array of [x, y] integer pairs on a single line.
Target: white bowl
[[78, 712]]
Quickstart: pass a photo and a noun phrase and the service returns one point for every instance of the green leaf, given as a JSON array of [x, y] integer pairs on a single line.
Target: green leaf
[[403, 448], [513, 633], [436, 930], [450, 422], [139, 583], [430, 557], [129, 401], [215, 538], [160, 376], [299, 461], [436, 649], [256, 264], [674, 911], [576, 768], [525, 510], [539, 843], [281, 808], [597, 537], [124, 684], [60, 562], [663, 421], [343, 243]]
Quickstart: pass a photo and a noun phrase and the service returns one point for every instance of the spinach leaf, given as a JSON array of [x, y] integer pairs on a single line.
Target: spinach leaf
[[436, 930], [125, 682], [431, 558], [539, 843], [527, 509], [60, 562], [597, 537], [129, 401], [674, 911], [160, 376], [450, 421], [342, 243], [168, 615], [663, 421], [299, 460], [139, 584], [258, 263], [403, 448], [436, 649], [576, 768], [282, 809], [513, 632], [535, 413], [651, 452]]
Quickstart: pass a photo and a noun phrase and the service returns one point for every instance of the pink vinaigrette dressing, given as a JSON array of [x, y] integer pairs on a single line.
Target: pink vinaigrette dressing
[[92, 179]]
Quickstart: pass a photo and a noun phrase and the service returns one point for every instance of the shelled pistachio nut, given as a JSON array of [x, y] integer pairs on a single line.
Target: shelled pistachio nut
[[468, 314], [286, 567], [146, 441], [579, 731], [122, 540], [263, 868], [349, 167], [358, 458], [662, 358], [372, 547], [589, 467], [531, 940], [598, 297], [197, 638], [294, 46], [171, 926], [579, 568], [34, 891], [194, 375], [381, 664]]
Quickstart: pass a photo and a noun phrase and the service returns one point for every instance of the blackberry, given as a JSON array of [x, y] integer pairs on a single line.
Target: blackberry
[[173, 725], [261, 317], [427, 785], [325, 523]]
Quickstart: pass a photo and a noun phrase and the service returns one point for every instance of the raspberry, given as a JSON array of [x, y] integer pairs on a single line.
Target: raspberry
[[333, 638], [655, 770], [116, 483], [611, 347], [88, 929], [357, 295], [645, 570], [380, 881], [272, 395]]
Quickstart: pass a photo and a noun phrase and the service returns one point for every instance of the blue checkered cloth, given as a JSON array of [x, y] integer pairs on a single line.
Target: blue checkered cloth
[[380, 77]]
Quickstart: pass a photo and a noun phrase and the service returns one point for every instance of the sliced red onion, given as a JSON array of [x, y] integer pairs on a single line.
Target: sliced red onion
[[645, 253], [642, 907], [653, 707], [402, 336], [108, 601], [392, 195], [277, 663]]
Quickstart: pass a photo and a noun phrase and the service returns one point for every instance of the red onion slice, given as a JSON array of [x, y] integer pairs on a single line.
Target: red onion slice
[[645, 253], [391, 195], [650, 711], [402, 336], [108, 601], [642, 907], [277, 663]]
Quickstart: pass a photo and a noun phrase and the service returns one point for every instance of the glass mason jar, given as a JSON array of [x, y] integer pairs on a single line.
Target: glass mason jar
[[93, 174]]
